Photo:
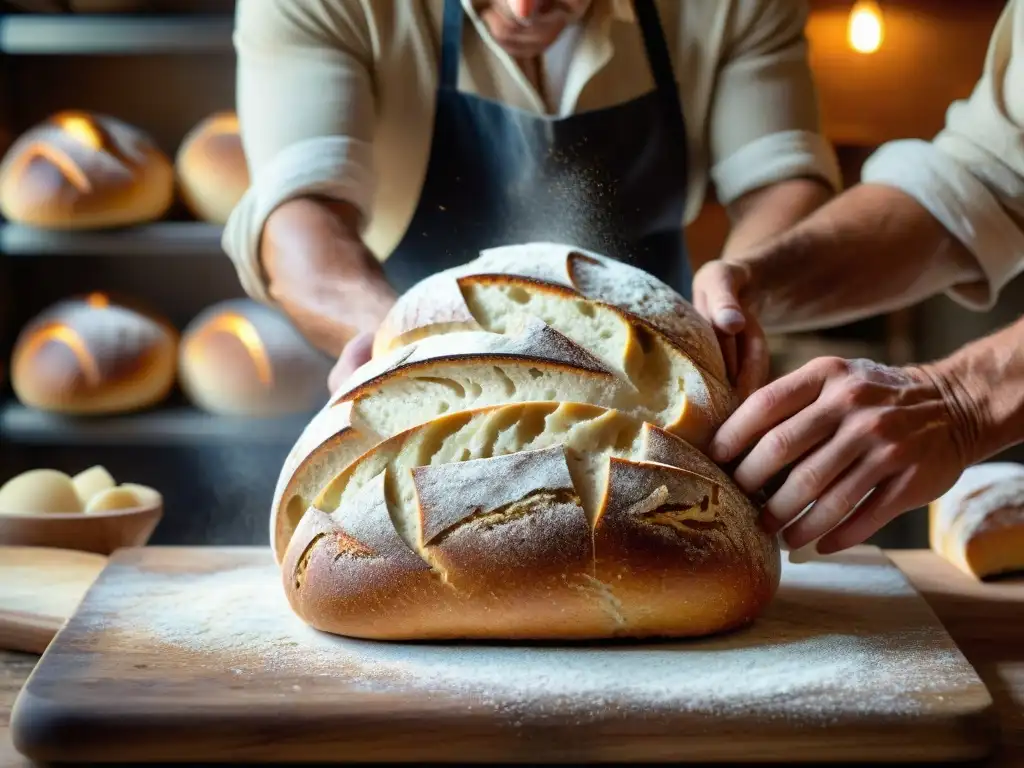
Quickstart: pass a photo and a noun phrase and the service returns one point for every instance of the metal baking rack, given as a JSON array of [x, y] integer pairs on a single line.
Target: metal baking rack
[[164, 73]]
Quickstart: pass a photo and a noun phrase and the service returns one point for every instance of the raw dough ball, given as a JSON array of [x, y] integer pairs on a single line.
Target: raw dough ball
[[92, 481], [39, 491], [113, 499], [149, 497]]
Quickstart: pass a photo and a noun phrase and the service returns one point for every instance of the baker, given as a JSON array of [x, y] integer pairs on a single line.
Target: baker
[[391, 140], [929, 217]]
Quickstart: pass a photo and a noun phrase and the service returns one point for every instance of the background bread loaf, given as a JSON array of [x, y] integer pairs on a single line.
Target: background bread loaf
[[523, 459], [978, 525], [80, 170], [240, 357], [211, 168], [91, 355]]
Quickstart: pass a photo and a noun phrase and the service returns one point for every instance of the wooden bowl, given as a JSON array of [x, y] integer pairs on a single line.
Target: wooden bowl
[[99, 532]]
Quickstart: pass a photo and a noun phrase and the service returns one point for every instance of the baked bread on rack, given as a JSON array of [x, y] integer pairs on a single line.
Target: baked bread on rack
[[211, 168], [80, 170], [523, 459], [242, 358], [90, 355]]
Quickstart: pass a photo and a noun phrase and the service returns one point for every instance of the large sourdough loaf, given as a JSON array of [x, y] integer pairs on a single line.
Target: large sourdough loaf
[[523, 459]]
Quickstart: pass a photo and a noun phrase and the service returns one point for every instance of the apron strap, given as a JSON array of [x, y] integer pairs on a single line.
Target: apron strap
[[654, 41], [451, 44]]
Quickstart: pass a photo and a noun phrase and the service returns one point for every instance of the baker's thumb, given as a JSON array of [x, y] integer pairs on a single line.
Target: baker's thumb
[[722, 297], [355, 353]]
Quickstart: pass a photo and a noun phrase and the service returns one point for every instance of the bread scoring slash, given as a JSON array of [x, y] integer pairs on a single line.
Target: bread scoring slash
[[523, 459]]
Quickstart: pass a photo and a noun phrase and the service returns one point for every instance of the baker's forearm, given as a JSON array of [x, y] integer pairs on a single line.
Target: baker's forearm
[[765, 213], [873, 249], [984, 381], [321, 274]]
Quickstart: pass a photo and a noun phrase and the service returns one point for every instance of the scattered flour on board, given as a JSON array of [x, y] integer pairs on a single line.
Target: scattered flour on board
[[239, 620]]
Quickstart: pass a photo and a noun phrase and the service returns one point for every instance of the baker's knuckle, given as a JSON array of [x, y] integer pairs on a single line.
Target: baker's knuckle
[[832, 365], [765, 399], [806, 478], [892, 452], [778, 442]]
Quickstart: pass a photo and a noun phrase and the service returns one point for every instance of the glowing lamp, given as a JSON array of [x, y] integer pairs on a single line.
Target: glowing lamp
[[866, 29]]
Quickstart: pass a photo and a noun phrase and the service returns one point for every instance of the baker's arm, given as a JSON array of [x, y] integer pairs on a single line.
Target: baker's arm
[[321, 274], [946, 215], [771, 165], [871, 250], [762, 214], [305, 107]]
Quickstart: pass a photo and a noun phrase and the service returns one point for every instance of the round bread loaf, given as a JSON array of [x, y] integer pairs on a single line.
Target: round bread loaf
[[523, 458], [83, 171], [211, 168], [91, 356], [240, 357]]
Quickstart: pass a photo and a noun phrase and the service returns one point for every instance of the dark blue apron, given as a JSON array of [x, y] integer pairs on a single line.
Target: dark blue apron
[[612, 180]]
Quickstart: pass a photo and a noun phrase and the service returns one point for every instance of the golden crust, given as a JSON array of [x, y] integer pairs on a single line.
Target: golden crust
[[81, 170], [211, 169], [505, 548], [240, 357], [79, 358]]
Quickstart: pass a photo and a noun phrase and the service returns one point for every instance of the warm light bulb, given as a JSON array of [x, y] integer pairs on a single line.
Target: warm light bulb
[[866, 29]]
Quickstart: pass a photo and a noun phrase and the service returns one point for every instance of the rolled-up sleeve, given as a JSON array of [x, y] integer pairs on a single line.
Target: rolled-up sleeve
[[764, 121], [306, 110], [971, 176]]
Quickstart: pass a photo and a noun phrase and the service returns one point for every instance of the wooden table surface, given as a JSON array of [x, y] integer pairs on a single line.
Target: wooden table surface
[[986, 620]]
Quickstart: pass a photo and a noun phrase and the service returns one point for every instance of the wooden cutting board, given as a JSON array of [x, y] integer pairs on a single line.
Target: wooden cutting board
[[192, 654], [40, 588]]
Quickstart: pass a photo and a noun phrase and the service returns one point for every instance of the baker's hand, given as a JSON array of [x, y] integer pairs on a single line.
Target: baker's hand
[[355, 353], [718, 289], [846, 428]]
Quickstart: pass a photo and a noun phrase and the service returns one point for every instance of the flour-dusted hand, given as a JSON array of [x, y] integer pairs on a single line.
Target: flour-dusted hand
[[718, 289], [846, 428]]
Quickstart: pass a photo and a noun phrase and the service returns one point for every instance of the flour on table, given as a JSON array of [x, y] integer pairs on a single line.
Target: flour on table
[[240, 620]]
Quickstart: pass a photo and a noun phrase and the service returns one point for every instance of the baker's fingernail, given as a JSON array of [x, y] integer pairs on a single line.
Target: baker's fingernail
[[727, 318]]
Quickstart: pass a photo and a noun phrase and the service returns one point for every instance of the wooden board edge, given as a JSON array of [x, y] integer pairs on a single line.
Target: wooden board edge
[[964, 739], [966, 735]]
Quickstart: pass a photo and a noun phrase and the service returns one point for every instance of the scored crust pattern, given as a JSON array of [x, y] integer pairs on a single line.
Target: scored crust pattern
[[523, 459]]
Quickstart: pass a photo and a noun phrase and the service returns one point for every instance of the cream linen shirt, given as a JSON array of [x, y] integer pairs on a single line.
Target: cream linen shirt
[[336, 98], [971, 175]]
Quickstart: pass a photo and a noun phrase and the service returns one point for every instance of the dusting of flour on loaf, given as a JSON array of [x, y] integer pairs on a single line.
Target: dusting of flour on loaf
[[794, 659]]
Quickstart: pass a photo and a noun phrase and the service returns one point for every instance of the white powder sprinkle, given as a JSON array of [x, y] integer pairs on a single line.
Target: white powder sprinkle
[[840, 638]]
